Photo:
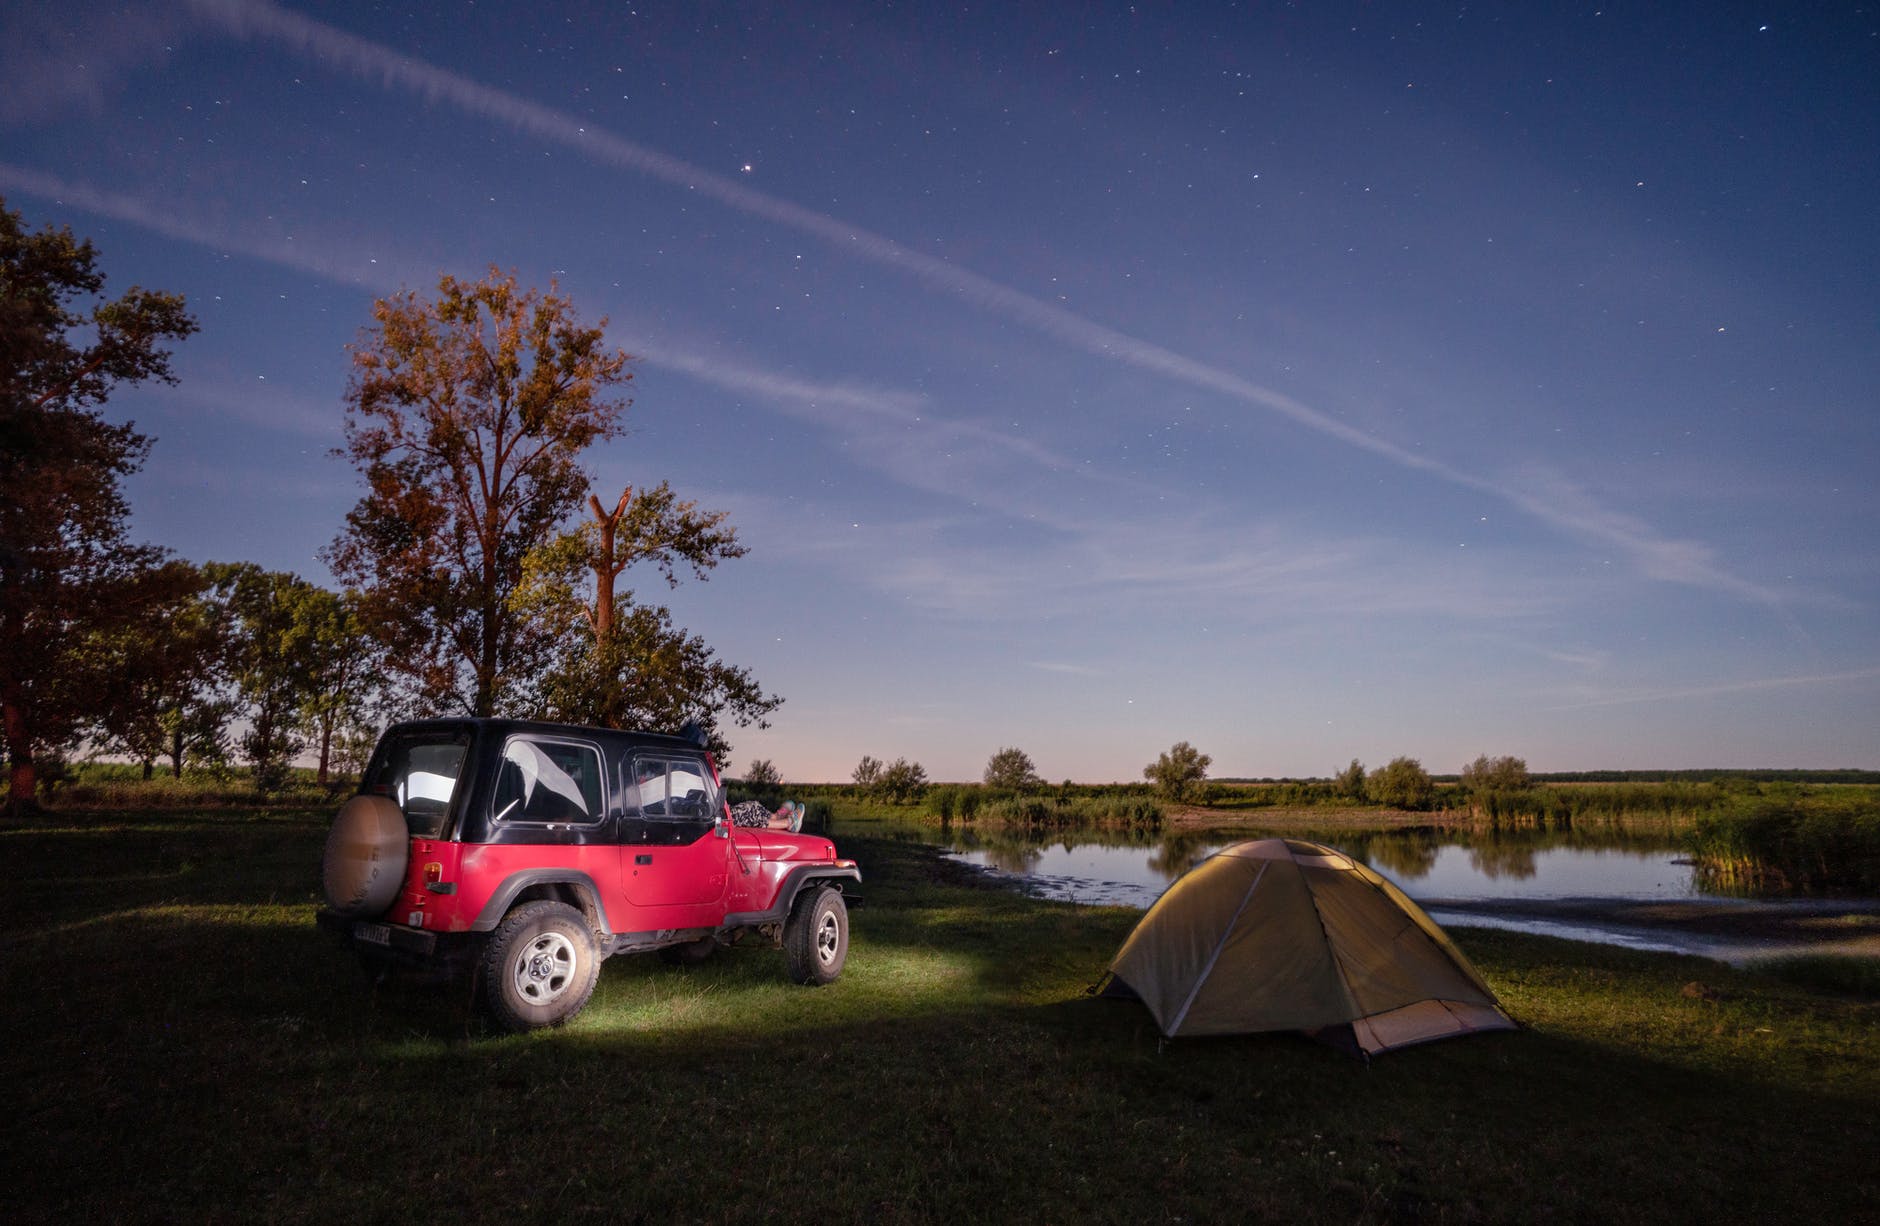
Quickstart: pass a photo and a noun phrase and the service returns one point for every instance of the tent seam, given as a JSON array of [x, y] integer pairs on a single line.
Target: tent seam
[[1215, 956]]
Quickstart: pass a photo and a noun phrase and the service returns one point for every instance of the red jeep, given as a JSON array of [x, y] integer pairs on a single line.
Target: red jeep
[[528, 852]]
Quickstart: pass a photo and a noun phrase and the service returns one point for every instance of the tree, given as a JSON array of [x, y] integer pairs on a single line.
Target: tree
[[467, 416], [762, 774], [1012, 770], [273, 661], [165, 700], [1176, 772], [1401, 784], [902, 781], [867, 773], [342, 666], [623, 664], [1350, 781], [658, 677], [68, 576], [1487, 774]]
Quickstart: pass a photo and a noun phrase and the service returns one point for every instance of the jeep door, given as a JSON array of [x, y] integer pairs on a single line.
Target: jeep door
[[674, 855]]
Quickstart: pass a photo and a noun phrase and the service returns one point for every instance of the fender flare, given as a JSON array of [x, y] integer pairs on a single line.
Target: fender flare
[[505, 895], [793, 885]]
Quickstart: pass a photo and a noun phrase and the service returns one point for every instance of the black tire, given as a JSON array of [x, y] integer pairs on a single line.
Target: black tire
[[691, 953], [816, 938], [539, 967]]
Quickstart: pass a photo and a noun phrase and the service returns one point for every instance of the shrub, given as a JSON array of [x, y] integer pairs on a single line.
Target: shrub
[[1402, 784], [1177, 771]]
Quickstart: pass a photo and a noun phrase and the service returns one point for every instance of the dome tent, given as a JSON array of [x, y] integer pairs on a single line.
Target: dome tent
[[1280, 934]]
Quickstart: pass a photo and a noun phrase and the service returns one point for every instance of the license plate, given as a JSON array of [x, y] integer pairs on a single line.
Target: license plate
[[373, 934]]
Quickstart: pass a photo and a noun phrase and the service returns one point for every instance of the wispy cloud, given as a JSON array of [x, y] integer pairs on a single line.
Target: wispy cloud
[[1069, 670], [256, 402], [58, 58], [1654, 554], [271, 244], [1754, 685]]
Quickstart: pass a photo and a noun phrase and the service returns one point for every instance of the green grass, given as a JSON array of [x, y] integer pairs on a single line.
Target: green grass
[[182, 1045]]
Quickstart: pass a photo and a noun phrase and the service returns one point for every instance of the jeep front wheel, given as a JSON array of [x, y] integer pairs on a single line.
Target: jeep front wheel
[[816, 938], [540, 966]]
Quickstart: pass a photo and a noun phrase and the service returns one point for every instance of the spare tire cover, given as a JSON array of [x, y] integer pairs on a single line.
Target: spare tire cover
[[366, 853]]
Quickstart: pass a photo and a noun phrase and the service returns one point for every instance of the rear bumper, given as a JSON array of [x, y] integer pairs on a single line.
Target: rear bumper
[[395, 945]]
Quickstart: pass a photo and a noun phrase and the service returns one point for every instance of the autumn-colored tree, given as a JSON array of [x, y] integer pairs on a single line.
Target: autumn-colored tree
[[623, 664], [1176, 773], [68, 576], [467, 415]]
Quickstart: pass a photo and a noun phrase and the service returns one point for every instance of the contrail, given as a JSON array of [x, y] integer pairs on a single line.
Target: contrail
[[1728, 687], [1668, 559]]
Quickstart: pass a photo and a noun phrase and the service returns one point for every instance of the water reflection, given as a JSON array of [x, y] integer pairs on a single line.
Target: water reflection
[[1133, 868], [1521, 879]]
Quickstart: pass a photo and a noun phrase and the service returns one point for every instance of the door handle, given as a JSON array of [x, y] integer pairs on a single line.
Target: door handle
[[646, 859]]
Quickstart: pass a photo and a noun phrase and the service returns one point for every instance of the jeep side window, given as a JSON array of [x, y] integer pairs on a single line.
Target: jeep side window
[[548, 781], [676, 789]]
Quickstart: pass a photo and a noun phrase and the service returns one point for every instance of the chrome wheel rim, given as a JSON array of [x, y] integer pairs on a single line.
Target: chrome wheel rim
[[544, 968], [828, 938]]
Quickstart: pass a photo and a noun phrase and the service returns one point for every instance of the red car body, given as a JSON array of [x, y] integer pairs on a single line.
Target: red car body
[[629, 831]]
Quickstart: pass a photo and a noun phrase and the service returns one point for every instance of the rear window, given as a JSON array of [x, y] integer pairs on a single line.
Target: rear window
[[419, 771]]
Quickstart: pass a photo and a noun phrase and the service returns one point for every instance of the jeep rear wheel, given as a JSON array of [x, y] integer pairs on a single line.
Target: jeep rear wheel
[[539, 967], [816, 938]]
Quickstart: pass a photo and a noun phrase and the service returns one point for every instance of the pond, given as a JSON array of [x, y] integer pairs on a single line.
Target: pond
[[1578, 885]]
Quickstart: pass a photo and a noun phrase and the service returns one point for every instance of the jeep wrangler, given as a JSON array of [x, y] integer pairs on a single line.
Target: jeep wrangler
[[525, 853]]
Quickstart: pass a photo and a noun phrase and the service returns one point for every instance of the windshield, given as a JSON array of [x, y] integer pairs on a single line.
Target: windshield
[[419, 771]]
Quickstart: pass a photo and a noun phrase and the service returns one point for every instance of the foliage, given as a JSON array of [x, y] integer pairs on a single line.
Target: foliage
[[621, 664], [167, 671], [902, 782], [1012, 770], [1350, 781], [270, 661], [655, 676], [762, 774], [342, 664], [1487, 774], [1176, 773], [69, 578], [1791, 840], [867, 774], [466, 416], [1401, 784]]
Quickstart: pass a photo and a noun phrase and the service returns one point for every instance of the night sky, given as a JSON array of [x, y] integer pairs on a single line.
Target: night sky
[[1305, 382]]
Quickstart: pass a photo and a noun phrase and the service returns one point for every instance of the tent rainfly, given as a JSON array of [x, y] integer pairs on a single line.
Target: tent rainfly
[[1280, 934]]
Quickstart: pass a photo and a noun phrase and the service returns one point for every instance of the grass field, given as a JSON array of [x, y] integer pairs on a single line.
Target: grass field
[[182, 1045]]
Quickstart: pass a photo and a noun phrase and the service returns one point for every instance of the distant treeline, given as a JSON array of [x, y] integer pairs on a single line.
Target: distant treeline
[[1707, 775]]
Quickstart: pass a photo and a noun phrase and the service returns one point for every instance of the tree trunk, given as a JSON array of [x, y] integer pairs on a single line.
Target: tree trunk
[[176, 754], [21, 779], [604, 568], [326, 746], [150, 768]]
